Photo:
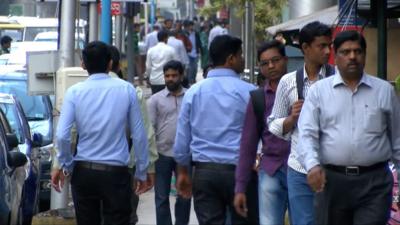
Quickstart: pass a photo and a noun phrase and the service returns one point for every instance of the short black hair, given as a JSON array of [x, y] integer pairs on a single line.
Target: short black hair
[[222, 47], [271, 44], [96, 56], [162, 35], [5, 39], [167, 20], [349, 35], [312, 30], [174, 65], [115, 56]]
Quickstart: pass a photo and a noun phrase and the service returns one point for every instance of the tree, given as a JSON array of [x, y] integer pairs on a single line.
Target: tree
[[267, 12]]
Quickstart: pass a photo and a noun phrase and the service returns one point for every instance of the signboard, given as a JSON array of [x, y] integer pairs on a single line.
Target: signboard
[[116, 8]]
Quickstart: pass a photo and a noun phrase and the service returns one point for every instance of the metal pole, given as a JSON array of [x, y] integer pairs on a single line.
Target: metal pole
[[67, 37], [118, 32], [129, 50], [106, 21], [146, 18], [382, 38], [93, 22], [248, 41], [152, 13]]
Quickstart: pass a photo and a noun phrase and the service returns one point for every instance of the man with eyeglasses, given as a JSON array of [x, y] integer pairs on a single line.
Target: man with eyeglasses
[[350, 129], [272, 185], [315, 40]]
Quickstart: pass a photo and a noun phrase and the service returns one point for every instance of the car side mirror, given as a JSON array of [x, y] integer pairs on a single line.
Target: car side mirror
[[12, 140], [37, 140], [16, 159]]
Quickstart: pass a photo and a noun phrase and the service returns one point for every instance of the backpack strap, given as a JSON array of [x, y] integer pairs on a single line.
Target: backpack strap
[[300, 83], [258, 100], [329, 71]]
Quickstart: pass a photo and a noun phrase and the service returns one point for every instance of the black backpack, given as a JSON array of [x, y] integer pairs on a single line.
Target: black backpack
[[258, 96]]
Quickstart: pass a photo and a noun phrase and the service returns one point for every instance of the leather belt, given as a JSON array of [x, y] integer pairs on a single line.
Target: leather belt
[[100, 166], [214, 166], [355, 170]]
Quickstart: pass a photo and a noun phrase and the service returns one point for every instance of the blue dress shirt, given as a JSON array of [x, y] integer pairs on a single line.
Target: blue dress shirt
[[101, 107], [211, 119]]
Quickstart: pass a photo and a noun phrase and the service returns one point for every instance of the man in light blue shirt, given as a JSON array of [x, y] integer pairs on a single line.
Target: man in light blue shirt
[[208, 134], [350, 129], [101, 107]]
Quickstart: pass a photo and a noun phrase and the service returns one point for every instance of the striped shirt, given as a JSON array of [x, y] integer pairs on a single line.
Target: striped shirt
[[286, 96]]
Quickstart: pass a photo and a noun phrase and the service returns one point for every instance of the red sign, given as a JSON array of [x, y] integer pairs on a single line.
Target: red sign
[[115, 8]]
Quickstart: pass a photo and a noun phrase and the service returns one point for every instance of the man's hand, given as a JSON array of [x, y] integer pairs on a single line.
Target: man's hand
[[141, 186], [57, 179], [151, 177], [316, 178], [184, 185], [240, 203], [296, 109]]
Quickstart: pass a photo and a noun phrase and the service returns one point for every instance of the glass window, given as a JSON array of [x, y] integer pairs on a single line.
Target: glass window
[[31, 32], [13, 120], [34, 106]]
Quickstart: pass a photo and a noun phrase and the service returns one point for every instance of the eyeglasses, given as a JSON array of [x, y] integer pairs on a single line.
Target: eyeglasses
[[274, 61]]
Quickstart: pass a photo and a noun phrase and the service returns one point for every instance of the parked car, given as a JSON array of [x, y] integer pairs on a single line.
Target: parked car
[[38, 111], [13, 174], [29, 145]]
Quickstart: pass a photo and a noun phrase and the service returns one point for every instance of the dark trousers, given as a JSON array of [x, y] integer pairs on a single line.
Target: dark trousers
[[101, 197], [213, 193], [156, 88], [134, 201], [357, 199], [164, 167]]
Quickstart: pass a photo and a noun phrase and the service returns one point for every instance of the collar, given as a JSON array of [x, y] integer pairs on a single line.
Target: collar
[[222, 72], [166, 92], [98, 76], [267, 87], [338, 80], [321, 73]]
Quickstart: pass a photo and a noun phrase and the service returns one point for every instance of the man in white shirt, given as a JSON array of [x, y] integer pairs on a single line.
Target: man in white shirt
[[157, 57], [151, 38], [179, 48], [219, 29]]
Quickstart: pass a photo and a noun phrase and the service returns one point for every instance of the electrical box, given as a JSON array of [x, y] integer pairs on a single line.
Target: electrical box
[[65, 78]]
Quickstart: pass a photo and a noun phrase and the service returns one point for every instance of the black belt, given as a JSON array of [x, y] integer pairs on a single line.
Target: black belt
[[100, 166], [355, 170], [214, 166]]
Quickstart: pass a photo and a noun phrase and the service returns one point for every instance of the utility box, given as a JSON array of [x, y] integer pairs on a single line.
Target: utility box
[[65, 78]]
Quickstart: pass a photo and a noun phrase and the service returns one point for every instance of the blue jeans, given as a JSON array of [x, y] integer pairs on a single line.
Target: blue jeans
[[164, 167], [273, 197], [301, 199], [192, 71]]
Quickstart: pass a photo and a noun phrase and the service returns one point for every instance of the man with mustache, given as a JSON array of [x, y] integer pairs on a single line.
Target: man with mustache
[[350, 129], [164, 107]]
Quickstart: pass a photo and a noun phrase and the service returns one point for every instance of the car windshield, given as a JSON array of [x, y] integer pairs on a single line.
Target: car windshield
[[34, 106], [15, 34], [12, 117], [31, 32]]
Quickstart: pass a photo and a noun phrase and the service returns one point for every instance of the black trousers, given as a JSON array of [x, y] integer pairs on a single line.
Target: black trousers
[[134, 201], [361, 199], [213, 193], [101, 197]]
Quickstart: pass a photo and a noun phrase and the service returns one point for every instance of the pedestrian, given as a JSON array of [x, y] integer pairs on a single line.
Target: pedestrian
[[194, 54], [156, 58], [5, 42], [151, 39], [168, 22], [315, 40], [347, 143], [181, 35], [218, 29], [208, 134], [179, 48], [272, 185], [116, 72], [100, 180], [204, 32], [164, 108]]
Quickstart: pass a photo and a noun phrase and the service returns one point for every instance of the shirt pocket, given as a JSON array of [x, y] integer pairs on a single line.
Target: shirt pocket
[[373, 122]]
